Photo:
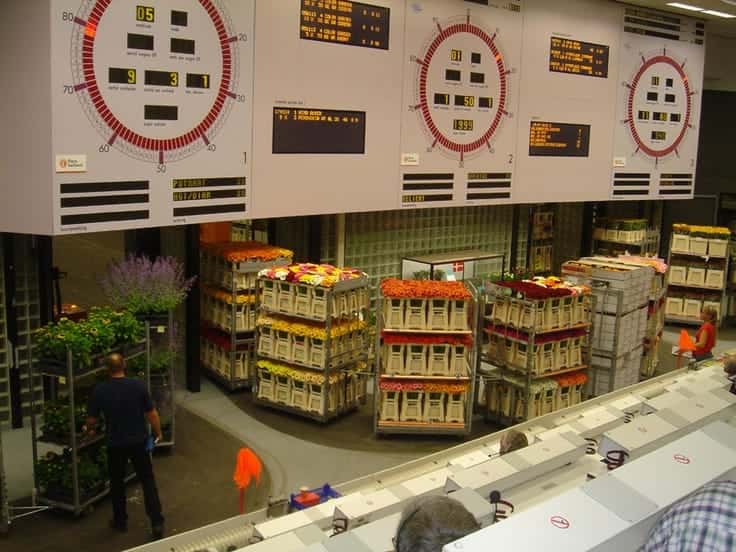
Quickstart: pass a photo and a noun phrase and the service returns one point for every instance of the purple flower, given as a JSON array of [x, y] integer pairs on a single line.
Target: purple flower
[[143, 286]]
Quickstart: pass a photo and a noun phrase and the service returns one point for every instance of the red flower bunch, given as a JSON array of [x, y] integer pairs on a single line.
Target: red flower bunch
[[534, 291]]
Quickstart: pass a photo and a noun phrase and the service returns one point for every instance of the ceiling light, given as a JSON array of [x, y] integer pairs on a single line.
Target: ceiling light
[[684, 6], [719, 14]]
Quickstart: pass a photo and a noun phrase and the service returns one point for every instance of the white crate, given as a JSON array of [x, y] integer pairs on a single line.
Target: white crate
[[439, 314], [718, 248], [692, 308], [393, 358], [699, 246], [416, 314], [681, 243], [678, 275], [416, 360], [675, 306], [696, 276], [459, 315], [393, 313], [714, 278]]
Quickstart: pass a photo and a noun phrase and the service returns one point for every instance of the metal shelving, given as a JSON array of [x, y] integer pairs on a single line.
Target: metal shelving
[[73, 448], [529, 337], [333, 382], [4, 507], [433, 412], [162, 384], [712, 294], [228, 339]]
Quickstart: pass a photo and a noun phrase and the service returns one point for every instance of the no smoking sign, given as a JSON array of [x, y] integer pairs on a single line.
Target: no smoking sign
[[559, 522]]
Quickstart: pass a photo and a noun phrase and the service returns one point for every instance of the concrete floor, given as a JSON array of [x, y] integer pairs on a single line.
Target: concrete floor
[[195, 484]]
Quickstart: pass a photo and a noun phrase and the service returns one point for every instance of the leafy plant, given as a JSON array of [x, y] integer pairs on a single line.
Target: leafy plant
[[145, 286], [104, 330]]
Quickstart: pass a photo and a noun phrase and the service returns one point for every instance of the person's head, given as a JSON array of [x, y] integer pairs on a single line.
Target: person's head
[[709, 314], [513, 440], [729, 366], [430, 523], [116, 364]]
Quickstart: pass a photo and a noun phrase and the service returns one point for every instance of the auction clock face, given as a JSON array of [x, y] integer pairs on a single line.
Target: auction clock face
[[157, 81], [659, 105], [461, 88]]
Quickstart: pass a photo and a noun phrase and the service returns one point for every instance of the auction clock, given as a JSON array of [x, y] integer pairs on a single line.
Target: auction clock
[[156, 81], [462, 87], [659, 105]]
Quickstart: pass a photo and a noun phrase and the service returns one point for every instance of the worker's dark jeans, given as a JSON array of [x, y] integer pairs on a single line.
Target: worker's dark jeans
[[117, 461]]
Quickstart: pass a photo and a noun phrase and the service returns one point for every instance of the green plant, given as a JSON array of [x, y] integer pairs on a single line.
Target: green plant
[[103, 330]]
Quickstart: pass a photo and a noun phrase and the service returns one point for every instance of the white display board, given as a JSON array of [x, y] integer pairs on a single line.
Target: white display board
[[327, 100], [569, 75], [150, 103], [658, 107], [461, 89], [161, 112]]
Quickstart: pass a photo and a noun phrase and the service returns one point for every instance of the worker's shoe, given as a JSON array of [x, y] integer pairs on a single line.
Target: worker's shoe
[[157, 531], [120, 526]]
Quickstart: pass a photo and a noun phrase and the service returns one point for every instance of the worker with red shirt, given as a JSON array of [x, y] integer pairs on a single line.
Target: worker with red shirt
[[705, 338]]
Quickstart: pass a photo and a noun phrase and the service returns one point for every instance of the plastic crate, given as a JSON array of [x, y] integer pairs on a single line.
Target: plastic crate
[[416, 314], [696, 276], [415, 362], [678, 275], [714, 278], [675, 306], [439, 360], [286, 298], [459, 315], [324, 493], [439, 314], [393, 313], [269, 294], [319, 303], [718, 248], [412, 403], [681, 243], [698, 246], [266, 341], [303, 300]]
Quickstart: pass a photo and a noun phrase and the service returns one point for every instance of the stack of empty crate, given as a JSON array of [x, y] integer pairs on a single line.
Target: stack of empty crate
[[424, 376], [699, 263], [312, 340], [622, 291], [655, 313], [535, 330], [229, 272]]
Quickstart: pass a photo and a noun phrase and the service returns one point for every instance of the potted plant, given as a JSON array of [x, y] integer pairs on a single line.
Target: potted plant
[[104, 331], [145, 287]]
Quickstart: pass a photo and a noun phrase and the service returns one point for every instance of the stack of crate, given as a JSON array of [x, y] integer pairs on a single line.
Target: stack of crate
[[229, 273], [312, 340], [622, 291]]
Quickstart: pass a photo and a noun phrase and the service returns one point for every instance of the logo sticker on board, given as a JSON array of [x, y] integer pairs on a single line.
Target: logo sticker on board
[[681, 459], [71, 163]]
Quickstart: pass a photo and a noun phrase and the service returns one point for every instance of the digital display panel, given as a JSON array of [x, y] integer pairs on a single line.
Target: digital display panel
[[442, 99], [198, 80], [140, 41], [465, 101], [452, 75], [485, 103], [120, 75], [659, 135], [162, 78], [652, 96], [462, 124], [179, 18], [578, 58], [345, 22], [456, 55], [475, 58], [644, 115], [558, 139], [161, 112], [669, 98], [318, 131], [145, 13], [675, 117], [182, 46], [477, 78], [659, 116]]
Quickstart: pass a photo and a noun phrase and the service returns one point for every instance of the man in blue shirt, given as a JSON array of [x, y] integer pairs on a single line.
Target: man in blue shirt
[[125, 405]]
